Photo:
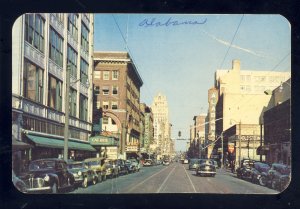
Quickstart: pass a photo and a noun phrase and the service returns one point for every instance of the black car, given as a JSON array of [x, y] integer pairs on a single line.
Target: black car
[[82, 174], [122, 166], [245, 171], [48, 175], [206, 167], [194, 163], [278, 176], [259, 169]]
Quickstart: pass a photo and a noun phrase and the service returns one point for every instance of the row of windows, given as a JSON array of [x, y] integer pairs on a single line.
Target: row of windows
[[271, 79], [35, 35], [105, 90], [106, 75], [51, 128], [105, 105]]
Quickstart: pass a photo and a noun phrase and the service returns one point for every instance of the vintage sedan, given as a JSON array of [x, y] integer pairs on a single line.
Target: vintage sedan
[[147, 162], [194, 163], [166, 162], [122, 167], [206, 167], [48, 175], [111, 169], [279, 176], [245, 172], [258, 172], [82, 174], [133, 165], [98, 165]]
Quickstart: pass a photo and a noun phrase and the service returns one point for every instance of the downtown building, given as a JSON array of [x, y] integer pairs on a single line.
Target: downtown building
[[117, 86], [146, 128], [162, 128], [237, 103], [198, 136], [44, 44]]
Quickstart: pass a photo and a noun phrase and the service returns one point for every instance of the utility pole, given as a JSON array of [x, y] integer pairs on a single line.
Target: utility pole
[[66, 131], [260, 157], [240, 151], [222, 150]]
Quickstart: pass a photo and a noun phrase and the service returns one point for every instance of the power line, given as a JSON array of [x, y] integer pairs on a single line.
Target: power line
[[232, 40]]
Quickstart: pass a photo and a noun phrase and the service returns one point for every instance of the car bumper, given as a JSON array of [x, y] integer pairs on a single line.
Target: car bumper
[[38, 190], [206, 172]]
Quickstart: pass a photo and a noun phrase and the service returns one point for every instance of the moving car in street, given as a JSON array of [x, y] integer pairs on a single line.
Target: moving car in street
[[48, 175], [206, 167], [194, 163], [82, 174], [185, 161], [166, 162], [245, 172], [98, 165], [279, 176]]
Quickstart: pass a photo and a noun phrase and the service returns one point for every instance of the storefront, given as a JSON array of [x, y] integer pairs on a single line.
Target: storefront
[[106, 146], [49, 146]]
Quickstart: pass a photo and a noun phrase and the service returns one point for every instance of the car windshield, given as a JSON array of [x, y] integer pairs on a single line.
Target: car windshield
[[41, 164], [75, 165], [206, 162]]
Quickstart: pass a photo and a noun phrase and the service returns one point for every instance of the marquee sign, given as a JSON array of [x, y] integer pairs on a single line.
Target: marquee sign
[[103, 141]]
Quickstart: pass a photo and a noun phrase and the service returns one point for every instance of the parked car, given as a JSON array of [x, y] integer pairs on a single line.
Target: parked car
[[258, 170], [48, 175], [245, 172], [206, 167], [82, 174], [279, 176], [122, 167], [194, 162], [133, 165], [98, 165], [111, 169], [148, 162], [18, 183]]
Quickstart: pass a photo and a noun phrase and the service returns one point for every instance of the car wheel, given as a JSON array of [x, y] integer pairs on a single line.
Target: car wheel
[[54, 188], [85, 182], [262, 181], [94, 180]]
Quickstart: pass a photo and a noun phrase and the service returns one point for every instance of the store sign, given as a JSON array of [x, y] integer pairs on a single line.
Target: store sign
[[131, 148], [103, 141]]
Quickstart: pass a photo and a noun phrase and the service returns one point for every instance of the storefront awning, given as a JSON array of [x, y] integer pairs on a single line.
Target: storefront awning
[[42, 141]]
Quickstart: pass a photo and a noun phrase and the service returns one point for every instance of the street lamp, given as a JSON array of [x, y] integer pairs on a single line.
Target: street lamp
[[240, 124], [66, 130]]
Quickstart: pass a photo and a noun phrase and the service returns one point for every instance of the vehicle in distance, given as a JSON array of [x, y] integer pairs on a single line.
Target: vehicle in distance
[[185, 161], [122, 167], [166, 162], [147, 162], [206, 167]]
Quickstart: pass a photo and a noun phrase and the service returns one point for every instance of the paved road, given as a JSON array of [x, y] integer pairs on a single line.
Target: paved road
[[175, 178]]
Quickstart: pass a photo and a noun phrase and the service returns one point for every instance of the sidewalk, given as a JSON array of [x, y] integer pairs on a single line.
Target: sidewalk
[[227, 170]]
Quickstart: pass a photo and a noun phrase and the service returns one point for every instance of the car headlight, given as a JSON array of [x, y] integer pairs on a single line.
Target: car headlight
[[79, 173], [258, 176], [46, 178]]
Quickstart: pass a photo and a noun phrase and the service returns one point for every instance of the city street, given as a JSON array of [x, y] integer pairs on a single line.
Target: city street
[[175, 178]]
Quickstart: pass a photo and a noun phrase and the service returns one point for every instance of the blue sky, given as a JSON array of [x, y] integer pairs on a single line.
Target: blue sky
[[180, 60]]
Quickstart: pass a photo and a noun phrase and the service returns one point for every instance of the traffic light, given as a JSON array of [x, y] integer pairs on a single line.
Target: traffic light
[[179, 133]]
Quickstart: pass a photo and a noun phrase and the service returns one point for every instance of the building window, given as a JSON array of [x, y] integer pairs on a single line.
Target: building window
[[59, 17], [97, 90], [55, 93], [97, 74], [98, 104], [72, 102], [84, 38], [115, 90], [115, 74], [105, 105], [73, 25], [72, 61], [105, 75], [84, 66], [33, 82], [56, 48], [105, 90], [83, 107], [114, 105], [35, 31]]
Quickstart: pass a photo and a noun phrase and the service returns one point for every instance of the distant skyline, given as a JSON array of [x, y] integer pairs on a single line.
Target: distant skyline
[[178, 55]]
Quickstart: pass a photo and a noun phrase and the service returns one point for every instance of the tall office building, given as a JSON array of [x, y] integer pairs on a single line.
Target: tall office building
[[43, 46]]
